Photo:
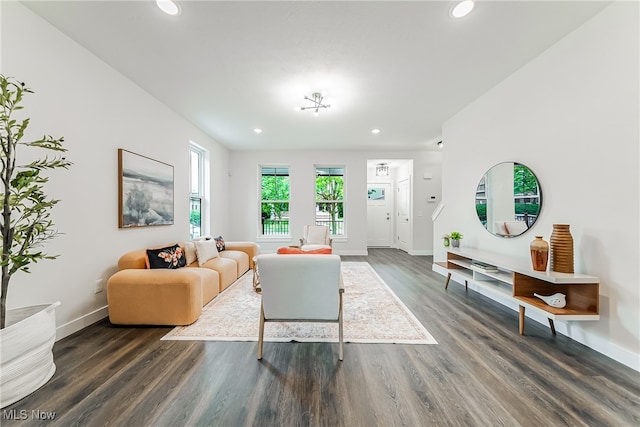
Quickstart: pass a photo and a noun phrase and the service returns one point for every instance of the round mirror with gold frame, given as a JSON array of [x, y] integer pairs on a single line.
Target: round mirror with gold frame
[[508, 199]]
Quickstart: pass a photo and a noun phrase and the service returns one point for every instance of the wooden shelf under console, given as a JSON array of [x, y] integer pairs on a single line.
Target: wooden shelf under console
[[514, 278]]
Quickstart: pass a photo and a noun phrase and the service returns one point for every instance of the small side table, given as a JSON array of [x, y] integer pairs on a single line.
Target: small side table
[[256, 276]]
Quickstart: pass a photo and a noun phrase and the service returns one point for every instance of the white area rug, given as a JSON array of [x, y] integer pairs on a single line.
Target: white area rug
[[372, 314]]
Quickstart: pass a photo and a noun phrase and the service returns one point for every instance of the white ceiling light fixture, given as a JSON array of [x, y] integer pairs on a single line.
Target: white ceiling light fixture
[[382, 169], [169, 7], [316, 98], [258, 130], [461, 9], [375, 131]]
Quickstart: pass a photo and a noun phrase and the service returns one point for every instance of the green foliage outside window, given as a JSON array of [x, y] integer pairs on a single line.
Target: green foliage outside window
[[481, 209], [527, 208], [524, 181], [274, 206], [330, 196], [195, 218], [275, 190]]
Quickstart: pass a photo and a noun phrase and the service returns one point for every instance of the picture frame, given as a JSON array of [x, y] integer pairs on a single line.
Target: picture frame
[[145, 191]]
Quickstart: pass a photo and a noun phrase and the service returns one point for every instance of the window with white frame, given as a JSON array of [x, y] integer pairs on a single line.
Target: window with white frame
[[197, 192], [274, 201], [330, 198]]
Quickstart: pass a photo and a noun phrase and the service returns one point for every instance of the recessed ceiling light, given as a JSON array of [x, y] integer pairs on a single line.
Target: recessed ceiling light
[[375, 131], [462, 9], [257, 130], [169, 7]]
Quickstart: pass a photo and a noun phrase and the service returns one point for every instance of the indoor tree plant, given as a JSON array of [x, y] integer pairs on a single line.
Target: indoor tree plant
[[25, 224]]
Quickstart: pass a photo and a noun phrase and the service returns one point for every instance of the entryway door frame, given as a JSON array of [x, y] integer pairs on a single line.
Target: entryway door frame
[[380, 215]]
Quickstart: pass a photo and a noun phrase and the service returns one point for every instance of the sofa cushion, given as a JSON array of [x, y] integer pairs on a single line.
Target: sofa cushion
[[171, 257], [190, 252], [133, 260], [241, 259], [226, 268], [250, 248], [154, 297], [206, 250], [209, 279]]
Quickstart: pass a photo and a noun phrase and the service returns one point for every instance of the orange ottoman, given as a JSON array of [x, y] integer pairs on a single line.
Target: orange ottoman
[[298, 251]]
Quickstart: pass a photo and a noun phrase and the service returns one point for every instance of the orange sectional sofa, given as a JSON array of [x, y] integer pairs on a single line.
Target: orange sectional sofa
[[137, 295]]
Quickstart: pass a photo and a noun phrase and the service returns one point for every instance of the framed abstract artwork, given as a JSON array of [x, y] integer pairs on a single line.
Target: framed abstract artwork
[[145, 191]]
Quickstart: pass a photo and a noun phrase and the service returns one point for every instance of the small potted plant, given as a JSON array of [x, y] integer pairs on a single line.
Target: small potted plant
[[455, 237]]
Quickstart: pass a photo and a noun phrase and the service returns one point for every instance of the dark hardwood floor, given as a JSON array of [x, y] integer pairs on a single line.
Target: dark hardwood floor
[[482, 373]]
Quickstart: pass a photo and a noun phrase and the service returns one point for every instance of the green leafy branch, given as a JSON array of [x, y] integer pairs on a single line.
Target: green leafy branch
[[25, 223]]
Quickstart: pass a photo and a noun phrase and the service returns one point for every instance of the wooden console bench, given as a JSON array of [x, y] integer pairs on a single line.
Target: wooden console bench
[[516, 280]]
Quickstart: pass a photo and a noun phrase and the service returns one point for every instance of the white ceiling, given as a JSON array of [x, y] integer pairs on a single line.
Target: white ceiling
[[403, 67]]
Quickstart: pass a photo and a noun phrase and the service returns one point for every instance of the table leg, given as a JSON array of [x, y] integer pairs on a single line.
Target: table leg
[[256, 277], [446, 284], [521, 320], [552, 326]]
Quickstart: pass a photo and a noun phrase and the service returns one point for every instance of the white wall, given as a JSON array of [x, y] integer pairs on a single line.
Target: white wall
[[423, 204], [98, 111], [245, 194], [572, 116]]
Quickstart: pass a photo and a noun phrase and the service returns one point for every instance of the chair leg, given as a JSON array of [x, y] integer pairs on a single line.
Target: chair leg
[[341, 337], [261, 332]]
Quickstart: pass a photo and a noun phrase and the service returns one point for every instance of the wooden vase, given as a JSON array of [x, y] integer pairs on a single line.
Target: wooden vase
[[561, 249], [539, 254]]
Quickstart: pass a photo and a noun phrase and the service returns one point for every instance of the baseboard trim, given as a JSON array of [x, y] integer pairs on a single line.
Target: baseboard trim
[[81, 322], [421, 253], [594, 342], [354, 253], [609, 349]]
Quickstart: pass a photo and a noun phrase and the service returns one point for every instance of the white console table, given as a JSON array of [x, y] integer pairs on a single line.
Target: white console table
[[515, 279]]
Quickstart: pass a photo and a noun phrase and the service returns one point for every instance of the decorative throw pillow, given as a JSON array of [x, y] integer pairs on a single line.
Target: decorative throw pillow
[[206, 250], [219, 243], [326, 251], [190, 252], [171, 257]]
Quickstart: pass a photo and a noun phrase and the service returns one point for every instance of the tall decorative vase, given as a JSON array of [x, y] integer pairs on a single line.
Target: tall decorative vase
[[539, 254], [561, 249], [26, 359]]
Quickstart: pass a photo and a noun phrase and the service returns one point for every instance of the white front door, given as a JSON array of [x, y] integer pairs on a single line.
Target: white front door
[[379, 214], [403, 214]]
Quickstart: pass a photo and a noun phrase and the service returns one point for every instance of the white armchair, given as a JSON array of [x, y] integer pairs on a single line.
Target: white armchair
[[300, 288], [315, 237]]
